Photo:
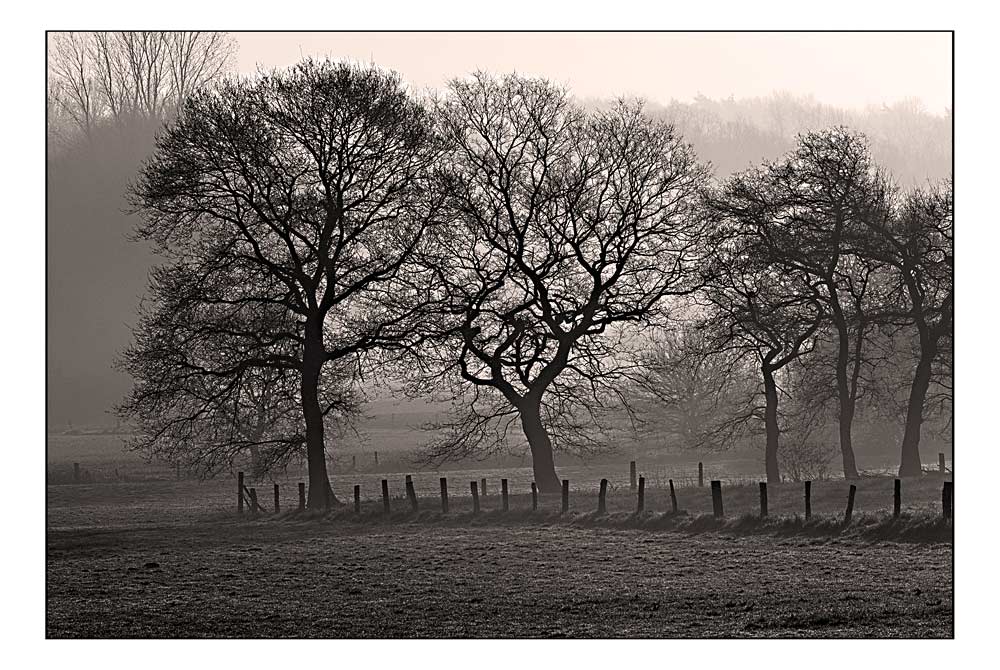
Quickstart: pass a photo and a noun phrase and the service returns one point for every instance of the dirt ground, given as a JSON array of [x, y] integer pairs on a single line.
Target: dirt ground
[[217, 577]]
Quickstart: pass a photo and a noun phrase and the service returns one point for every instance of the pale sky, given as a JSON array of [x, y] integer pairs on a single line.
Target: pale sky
[[843, 69]]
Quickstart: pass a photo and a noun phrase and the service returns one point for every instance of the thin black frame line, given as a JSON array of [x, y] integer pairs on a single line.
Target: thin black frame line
[[44, 507]]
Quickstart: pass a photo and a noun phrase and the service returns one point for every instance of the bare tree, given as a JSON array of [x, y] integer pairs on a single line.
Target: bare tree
[[73, 84], [916, 240], [758, 311], [295, 200], [699, 398], [567, 230], [808, 212], [196, 59], [121, 76], [207, 391]]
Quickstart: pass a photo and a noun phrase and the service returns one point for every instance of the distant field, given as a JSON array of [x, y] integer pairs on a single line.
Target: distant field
[[396, 443], [109, 472]]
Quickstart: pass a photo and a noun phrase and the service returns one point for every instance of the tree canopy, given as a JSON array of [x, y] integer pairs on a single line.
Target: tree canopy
[[287, 207]]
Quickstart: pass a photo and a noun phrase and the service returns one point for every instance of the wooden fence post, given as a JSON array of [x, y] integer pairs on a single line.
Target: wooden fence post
[[673, 496], [385, 496], [482, 487], [302, 497], [850, 504], [76, 472], [254, 507], [897, 498], [534, 497], [565, 495], [941, 464], [376, 458], [602, 498], [354, 462], [357, 499], [947, 491], [701, 474], [475, 497], [239, 492], [763, 500], [411, 493], [444, 495], [717, 498], [631, 475], [809, 508], [640, 505], [277, 500], [503, 494]]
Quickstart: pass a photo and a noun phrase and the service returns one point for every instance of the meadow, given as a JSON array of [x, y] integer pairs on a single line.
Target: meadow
[[149, 555]]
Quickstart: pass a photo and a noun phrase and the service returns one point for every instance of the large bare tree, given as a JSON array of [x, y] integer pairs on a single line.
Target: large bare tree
[[296, 199], [566, 230]]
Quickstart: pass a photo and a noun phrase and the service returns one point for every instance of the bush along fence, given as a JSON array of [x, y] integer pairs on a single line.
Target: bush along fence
[[248, 502]]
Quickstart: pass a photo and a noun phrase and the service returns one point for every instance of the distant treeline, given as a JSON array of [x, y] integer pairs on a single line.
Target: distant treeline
[[912, 143]]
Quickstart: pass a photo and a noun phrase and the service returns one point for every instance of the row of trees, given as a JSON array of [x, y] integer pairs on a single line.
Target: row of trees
[[92, 298], [913, 144], [818, 264], [503, 247], [125, 76]]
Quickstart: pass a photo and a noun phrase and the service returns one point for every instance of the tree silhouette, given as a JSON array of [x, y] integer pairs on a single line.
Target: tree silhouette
[[567, 229], [288, 206], [757, 310], [700, 399], [916, 239], [807, 213], [209, 388]]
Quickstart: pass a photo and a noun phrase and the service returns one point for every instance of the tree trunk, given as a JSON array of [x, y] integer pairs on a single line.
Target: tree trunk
[[846, 441], [847, 403], [771, 428], [909, 462], [541, 447], [320, 492]]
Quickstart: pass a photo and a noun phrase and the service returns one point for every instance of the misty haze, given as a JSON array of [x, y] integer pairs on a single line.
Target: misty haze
[[447, 335]]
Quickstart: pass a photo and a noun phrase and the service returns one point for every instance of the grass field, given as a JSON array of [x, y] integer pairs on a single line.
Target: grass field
[[153, 556], [222, 579]]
